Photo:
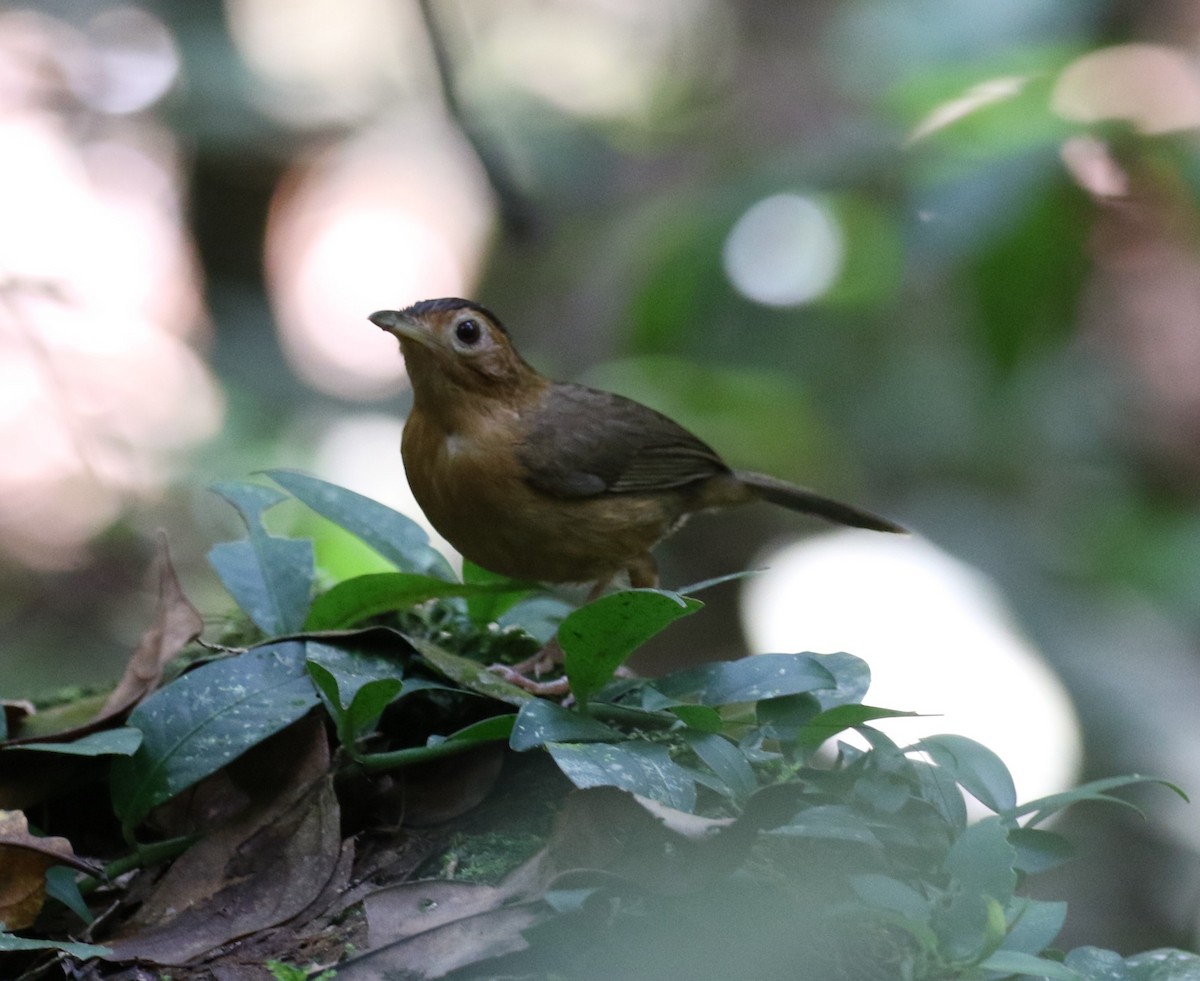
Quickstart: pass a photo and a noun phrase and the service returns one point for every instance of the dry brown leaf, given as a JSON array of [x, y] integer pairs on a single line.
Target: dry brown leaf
[[261, 868], [176, 624], [435, 953], [24, 859]]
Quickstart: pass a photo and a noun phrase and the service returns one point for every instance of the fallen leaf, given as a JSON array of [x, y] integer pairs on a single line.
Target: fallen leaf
[[24, 859], [261, 868], [176, 624]]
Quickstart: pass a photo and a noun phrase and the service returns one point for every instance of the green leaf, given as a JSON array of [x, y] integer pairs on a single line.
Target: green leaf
[[61, 885], [1009, 962], [396, 537], [359, 659], [352, 601], [469, 674], [9, 942], [205, 719], [499, 595], [270, 578], [1096, 790], [982, 860], [981, 864], [539, 616], [700, 717], [829, 723], [884, 892], [1036, 925], [541, 721], [597, 638], [111, 742], [641, 768], [1164, 965], [976, 767], [750, 679], [725, 760], [1040, 851], [490, 730], [852, 678], [1096, 964]]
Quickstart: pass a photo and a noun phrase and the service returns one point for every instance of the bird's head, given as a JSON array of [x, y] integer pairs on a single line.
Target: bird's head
[[450, 344]]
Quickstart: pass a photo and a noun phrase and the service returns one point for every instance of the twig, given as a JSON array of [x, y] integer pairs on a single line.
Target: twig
[[516, 211]]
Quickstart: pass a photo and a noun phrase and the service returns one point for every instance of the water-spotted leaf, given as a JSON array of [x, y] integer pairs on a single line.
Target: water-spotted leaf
[[750, 679], [541, 721], [598, 638], [205, 719], [642, 768], [110, 742]]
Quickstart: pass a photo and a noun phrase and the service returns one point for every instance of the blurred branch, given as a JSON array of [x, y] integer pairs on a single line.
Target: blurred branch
[[516, 210]]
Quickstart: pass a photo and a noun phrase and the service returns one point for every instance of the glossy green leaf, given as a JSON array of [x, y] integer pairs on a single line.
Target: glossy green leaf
[[1164, 965], [641, 768], [9, 942], [111, 742], [750, 679], [700, 717], [490, 730], [61, 885], [540, 616], [270, 578], [980, 771], [497, 595], [827, 724], [884, 892], [1096, 790], [541, 721], [358, 659], [1010, 962], [725, 760], [208, 717], [598, 638], [1040, 851], [396, 537], [1035, 925], [350, 602], [470, 674]]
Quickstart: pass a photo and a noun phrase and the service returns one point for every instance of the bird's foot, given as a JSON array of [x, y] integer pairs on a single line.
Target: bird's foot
[[525, 674], [557, 688]]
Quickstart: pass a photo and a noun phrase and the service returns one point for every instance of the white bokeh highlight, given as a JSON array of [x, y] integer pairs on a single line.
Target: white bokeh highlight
[[939, 641]]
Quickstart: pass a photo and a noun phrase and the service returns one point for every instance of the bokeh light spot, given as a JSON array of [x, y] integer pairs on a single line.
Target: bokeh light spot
[[937, 637], [785, 250]]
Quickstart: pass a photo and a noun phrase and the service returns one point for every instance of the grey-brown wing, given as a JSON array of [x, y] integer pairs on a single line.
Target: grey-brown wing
[[584, 442]]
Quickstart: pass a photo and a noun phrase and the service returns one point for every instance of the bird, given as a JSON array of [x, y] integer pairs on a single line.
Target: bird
[[552, 481]]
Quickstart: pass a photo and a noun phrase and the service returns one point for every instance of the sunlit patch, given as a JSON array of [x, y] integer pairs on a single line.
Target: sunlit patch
[[1154, 88], [938, 640], [133, 61], [621, 60], [100, 391], [380, 221], [323, 60], [784, 251]]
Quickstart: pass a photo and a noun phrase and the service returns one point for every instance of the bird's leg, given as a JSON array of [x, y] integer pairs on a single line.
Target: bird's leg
[[643, 573], [544, 661]]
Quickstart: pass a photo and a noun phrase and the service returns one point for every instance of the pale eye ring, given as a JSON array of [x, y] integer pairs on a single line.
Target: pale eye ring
[[468, 332]]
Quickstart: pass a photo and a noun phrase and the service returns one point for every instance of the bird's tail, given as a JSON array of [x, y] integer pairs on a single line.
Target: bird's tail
[[800, 499]]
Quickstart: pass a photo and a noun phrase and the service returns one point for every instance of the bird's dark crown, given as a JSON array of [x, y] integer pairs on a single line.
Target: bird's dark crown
[[445, 304]]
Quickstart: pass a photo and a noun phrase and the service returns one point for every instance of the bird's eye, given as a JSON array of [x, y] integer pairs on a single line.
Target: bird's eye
[[468, 332]]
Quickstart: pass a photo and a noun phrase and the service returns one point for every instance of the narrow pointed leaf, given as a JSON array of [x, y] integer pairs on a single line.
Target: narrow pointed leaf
[[396, 537]]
